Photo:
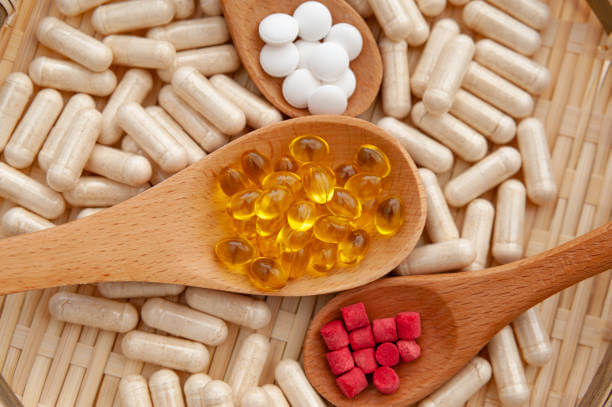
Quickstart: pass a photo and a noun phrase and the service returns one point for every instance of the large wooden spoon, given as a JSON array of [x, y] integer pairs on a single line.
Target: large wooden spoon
[[460, 312], [243, 18], [167, 234]]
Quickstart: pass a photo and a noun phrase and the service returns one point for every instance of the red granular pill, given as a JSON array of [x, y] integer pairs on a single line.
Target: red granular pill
[[384, 330], [408, 350], [365, 359], [352, 383], [386, 380], [340, 360], [362, 338], [408, 325], [334, 335], [387, 354], [355, 316]]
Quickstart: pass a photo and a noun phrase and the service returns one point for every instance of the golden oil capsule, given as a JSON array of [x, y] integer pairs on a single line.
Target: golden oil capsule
[[331, 229], [273, 202], [371, 160], [232, 180], [353, 248], [323, 258], [235, 252], [268, 246], [344, 172], [344, 204], [319, 182], [301, 215], [267, 274], [242, 204], [366, 220], [255, 165], [365, 187], [309, 148], [269, 227], [283, 178], [246, 229], [296, 263], [389, 216], [291, 240], [286, 163]]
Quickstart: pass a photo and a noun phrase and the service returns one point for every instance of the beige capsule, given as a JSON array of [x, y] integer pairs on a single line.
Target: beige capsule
[[75, 44], [83, 213], [236, 308], [248, 365], [158, 175], [131, 15], [193, 387], [458, 3], [193, 33], [71, 77], [493, 23], [25, 191], [446, 77], [362, 7], [100, 192], [75, 7], [461, 386], [431, 8], [532, 338], [18, 221], [276, 396], [138, 289], [166, 389], [292, 380], [217, 394], [483, 176], [255, 397], [183, 8], [442, 31], [118, 165], [453, 133], [396, 98], [509, 222], [139, 52], [534, 13], [91, 311], [134, 391], [166, 351], [440, 224], [537, 166], [419, 29], [208, 61], [211, 7], [477, 228], [392, 17], [438, 257], [14, 96]]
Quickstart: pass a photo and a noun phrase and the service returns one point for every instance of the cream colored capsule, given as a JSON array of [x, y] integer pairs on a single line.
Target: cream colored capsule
[[392, 17], [138, 289], [118, 165], [458, 3], [440, 224], [211, 7], [419, 29], [25, 191], [454, 134], [93, 311], [183, 321], [477, 228], [446, 77], [431, 8], [167, 351], [18, 221], [83, 213], [276, 396], [55, 138], [249, 364], [158, 175], [31, 132], [76, 7], [499, 26], [512, 387], [537, 167], [14, 96], [200, 129], [71, 77], [532, 338], [183, 8], [290, 377], [100, 192], [132, 15], [255, 397], [152, 137], [193, 33], [438, 257], [193, 387], [509, 222], [534, 13], [217, 394], [166, 389], [75, 44], [483, 176], [361, 6], [130, 50], [134, 391], [208, 61], [442, 31], [396, 98], [236, 308]]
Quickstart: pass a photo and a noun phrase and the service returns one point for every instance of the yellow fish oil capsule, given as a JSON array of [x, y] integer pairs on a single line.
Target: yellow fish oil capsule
[[290, 240], [99, 192], [121, 166], [292, 380], [134, 391], [14, 96], [268, 246], [323, 257], [248, 365], [17, 221], [139, 52], [235, 253], [331, 229], [537, 167], [131, 15], [296, 263], [217, 394], [372, 160], [286, 163], [255, 165], [344, 172], [440, 224], [268, 227], [344, 204], [512, 387], [509, 231], [353, 248], [396, 98], [273, 202], [534, 13], [366, 220], [389, 216], [193, 387], [301, 215], [192, 33], [166, 389], [232, 181], [309, 148], [364, 186], [267, 274], [246, 229], [130, 289], [287, 179], [319, 182], [208, 61]]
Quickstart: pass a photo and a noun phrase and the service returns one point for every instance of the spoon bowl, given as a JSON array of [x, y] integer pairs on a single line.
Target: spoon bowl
[[168, 233], [243, 18]]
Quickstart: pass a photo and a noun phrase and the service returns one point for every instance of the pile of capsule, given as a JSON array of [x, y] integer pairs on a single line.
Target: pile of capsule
[[299, 216]]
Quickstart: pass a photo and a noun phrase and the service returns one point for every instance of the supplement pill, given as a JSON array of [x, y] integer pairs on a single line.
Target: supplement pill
[[509, 222], [314, 20], [344, 172], [74, 7], [512, 387], [440, 224], [17, 221], [532, 338], [270, 246], [194, 152], [291, 240], [389, 216], [291, 379], [267, 274], [327, 99], [255, 165], [365, 187], [14, 95], [361, 6], [269, 227], [393, 18], [131, 15], [276, 396], [318, 181], [234, 253], [323, 257], [279, 60], [217, 394], [248, 365], [273, 202], [353, 248], [328, 61], [305, 49], [286, 179], [301, 215], [166, 389], [298, 86], [431, 8], [438, 257], [255, 397], [537, 166], [139, 52], [309, 148], [344, 204], [208, 61], [246, 229], [98, 192], [134, 392], [138, 289], [331, 229], [193, 387], [192, 33], [348, 36], [534, 13], [296, 263], [477, 228], [396, 98], [419, 29], [372, 160], [278, 29], [232, 181]]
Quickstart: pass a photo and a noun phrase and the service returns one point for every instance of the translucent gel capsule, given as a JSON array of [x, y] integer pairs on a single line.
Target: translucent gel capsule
[[365, 187], [301, 215], [322, 258], [344, 204], [245, 228], [370, 159], [318, 181], [234, 252], [232, 180], [268, 247], [242, 204], [296, 263], [309, 148], [291, 240], [269, 227], [366, 220], [331, 229], [286, 163], [283, 178], [267, 274], [344, 172], [354, 247], [389, 216], [255, 165], [273, 202]]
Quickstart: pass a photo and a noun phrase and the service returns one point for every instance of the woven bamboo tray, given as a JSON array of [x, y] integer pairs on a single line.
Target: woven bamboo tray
[[48, 362]]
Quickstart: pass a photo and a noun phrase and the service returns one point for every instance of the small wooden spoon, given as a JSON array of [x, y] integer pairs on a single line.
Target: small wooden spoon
[[167, 234], [243, 18], [460, 313]]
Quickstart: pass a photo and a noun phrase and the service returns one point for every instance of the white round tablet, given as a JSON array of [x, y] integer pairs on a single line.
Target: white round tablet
[[347, 82], [278, 28], [298, 87], [327, 99], [305, 49], [348, 36], [279, 60], [314, 20], [328, 61]]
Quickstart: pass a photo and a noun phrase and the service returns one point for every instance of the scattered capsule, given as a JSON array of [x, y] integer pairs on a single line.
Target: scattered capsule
[[273, 202], [354, 247], [268, 247], [267, 274], [242, 204], [331, 229], [371, 160], [269, 227], [286, 163], [318, 181], [309, 148], [389, 216], [291, 240], [234, 253], [232, 180], [246, 229], [302, 215], [296, 263], [322, 258], [283, 178], [365, 187], [255, 165], [344, 172], [344, 204]]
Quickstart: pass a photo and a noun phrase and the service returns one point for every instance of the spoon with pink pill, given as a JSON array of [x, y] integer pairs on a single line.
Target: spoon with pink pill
[[460, 313]]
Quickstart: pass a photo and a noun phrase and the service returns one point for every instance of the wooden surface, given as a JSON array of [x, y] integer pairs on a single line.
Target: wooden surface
[[243, 17]]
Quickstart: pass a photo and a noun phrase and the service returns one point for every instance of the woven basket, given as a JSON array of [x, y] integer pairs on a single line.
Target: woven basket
[[48, 362]]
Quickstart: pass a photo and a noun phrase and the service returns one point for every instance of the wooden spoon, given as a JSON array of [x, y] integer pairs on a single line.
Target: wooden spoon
[[460, 312], [243, 18], [167, 234]]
